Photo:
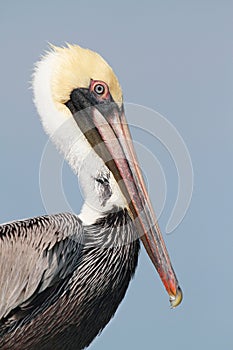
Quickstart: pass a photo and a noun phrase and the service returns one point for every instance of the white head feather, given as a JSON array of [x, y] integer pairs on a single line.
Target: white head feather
[[59, 72]]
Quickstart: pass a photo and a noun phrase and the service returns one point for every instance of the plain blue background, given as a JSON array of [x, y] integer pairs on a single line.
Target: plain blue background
[[172, 56]]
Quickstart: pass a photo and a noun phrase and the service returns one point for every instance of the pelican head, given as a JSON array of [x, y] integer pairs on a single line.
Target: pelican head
[[80, 103]]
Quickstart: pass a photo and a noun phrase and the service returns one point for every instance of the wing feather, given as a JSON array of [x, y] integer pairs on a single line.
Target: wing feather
[[34, 255]]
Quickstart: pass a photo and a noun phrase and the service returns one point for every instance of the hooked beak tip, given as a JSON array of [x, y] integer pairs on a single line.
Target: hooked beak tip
[[175, 300]]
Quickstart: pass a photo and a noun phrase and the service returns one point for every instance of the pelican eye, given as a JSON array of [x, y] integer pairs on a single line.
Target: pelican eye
[[99, 89]]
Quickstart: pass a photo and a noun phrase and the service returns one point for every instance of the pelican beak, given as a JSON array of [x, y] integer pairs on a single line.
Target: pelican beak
[[105, 127]]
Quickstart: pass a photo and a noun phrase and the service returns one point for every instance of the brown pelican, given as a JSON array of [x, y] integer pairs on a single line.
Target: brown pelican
[[63, 276]]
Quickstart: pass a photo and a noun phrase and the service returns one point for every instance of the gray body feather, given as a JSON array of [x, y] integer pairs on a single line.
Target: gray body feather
[[61, 282]]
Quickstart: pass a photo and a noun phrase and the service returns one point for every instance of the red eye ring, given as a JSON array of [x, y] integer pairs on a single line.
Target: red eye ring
[[100, 89]]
